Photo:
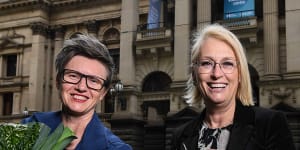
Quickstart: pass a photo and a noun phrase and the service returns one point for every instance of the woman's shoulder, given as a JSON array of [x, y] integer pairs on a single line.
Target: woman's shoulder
[[266, 113], [51, 119], [266, 118], [189, 128]]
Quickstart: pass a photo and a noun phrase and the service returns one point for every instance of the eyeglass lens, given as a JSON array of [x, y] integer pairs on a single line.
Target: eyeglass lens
[[74, 77], [206, 66]]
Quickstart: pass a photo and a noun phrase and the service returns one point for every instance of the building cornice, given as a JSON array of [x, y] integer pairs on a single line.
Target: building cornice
[[22, 3], [49, 3]]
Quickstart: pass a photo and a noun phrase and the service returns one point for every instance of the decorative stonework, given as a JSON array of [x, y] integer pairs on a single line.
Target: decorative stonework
[[144, 66], [39, 28], [281, 93]]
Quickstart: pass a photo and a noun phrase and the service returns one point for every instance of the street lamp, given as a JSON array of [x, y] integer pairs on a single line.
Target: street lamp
[[115, 91], [119, 86]]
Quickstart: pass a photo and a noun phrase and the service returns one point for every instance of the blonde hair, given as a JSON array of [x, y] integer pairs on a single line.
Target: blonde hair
[[244, 91]]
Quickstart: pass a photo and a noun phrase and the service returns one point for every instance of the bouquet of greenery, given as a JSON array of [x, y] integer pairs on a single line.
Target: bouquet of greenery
[[34, 136]]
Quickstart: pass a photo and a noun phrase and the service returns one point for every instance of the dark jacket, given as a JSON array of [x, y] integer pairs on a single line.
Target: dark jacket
[[96, 136], [254, 128]]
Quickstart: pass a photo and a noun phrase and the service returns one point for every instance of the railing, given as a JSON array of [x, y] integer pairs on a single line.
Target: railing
[[143, 27], [239, 23], [143, 33]]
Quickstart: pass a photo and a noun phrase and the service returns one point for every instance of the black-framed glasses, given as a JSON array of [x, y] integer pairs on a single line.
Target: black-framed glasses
[[207, 65], [92, 82]]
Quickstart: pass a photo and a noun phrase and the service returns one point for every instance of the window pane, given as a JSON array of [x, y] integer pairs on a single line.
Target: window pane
[[11, 61]]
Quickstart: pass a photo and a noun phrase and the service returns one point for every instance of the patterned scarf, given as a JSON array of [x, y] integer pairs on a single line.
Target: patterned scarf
[[210, 138]]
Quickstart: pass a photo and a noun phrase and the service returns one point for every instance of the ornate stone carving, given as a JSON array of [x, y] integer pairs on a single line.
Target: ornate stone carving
[[282, 92], [39, 28]]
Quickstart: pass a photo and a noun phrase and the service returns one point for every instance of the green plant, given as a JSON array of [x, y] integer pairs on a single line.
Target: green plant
[[34, 136]]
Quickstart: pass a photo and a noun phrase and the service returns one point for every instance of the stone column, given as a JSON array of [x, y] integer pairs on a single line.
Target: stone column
[[292, 23], [92, 27], [271, 40], [59, 40], [129, 22], [128, 125], [48, 70], [203, 13], [182, 50], [182, 39], [36, 78]]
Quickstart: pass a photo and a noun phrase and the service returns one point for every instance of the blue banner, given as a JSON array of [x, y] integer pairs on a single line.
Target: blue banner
[[153, 14], [238, 8]]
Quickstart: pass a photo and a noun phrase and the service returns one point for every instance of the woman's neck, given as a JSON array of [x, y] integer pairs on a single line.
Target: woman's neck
[[77, 124], [219, 117]]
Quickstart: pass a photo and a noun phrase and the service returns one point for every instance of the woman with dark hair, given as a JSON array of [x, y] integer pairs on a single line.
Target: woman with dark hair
[[84, 73]]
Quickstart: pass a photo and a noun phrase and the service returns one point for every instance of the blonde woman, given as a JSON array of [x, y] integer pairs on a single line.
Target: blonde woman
[[220, 78]]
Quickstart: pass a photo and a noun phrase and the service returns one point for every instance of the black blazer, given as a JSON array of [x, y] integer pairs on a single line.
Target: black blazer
[[254, 128]]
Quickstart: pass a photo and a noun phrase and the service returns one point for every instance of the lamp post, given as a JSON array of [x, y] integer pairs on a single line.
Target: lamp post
[[117, 88]]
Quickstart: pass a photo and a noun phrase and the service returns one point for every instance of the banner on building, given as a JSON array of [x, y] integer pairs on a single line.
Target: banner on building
[[153, 14], [238, 8]]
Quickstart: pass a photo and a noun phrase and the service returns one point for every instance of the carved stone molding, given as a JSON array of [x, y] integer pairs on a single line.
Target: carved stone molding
[[281, 93], [39, 28]]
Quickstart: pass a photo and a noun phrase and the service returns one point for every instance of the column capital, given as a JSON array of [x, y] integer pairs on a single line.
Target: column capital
[[39, 28]]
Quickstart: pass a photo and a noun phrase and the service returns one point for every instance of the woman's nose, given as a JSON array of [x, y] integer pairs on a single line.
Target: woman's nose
[[81, 85], [217, 71]]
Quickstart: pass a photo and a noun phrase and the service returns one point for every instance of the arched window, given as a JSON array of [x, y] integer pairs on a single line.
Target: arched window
[[111, 35], [156, 81]]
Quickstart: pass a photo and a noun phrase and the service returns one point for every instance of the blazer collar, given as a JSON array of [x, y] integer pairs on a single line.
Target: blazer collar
[[244, 119], [241, 131], [192, 129]]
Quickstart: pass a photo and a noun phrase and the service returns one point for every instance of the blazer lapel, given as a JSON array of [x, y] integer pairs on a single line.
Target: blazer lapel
[[239, 137], [243, 127]]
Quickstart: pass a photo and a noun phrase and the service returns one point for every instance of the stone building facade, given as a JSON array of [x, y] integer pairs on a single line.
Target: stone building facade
[[152, 64]]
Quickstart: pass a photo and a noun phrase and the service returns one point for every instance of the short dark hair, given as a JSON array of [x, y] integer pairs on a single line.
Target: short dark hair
[[87, 46]]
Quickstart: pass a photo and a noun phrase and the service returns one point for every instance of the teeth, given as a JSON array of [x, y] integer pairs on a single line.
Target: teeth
[[80, 97], [217, 85]]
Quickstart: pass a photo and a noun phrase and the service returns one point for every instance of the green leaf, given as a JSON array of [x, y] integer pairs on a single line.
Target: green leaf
[[44, 132], [65, 139], [52, 139]]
